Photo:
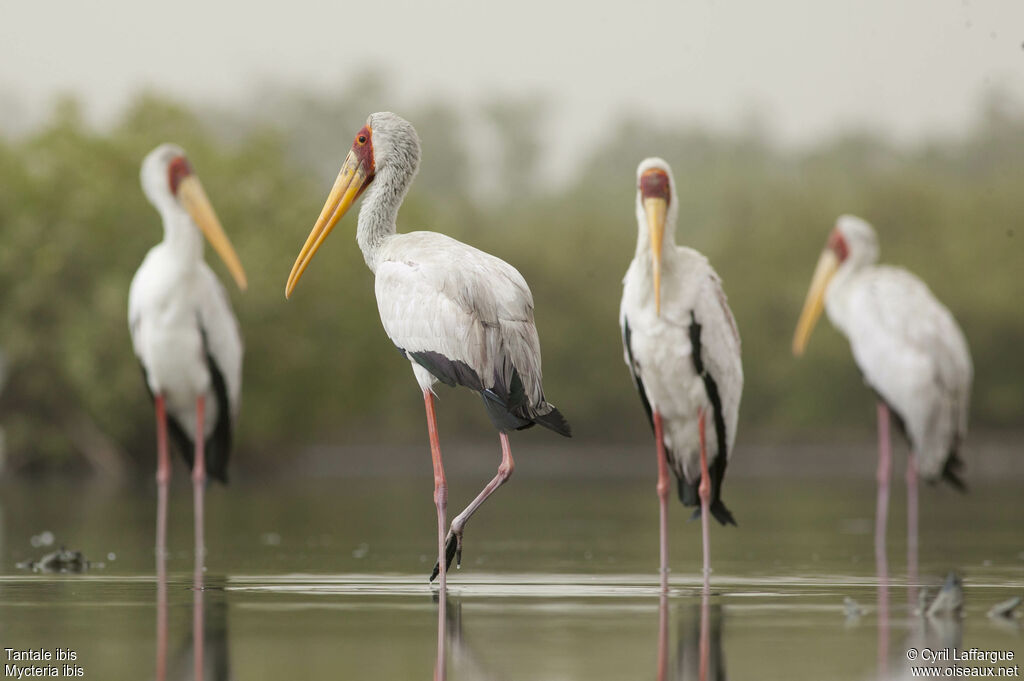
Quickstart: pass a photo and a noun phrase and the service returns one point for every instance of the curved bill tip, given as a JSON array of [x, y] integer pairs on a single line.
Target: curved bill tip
[[199, 208], [352, 179]]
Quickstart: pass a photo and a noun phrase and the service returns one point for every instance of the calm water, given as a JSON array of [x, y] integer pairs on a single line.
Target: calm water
[[328, 580]]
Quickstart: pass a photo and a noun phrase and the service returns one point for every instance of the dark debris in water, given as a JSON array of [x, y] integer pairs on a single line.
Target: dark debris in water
[[63, 561], [1006, 609], [950, 600]]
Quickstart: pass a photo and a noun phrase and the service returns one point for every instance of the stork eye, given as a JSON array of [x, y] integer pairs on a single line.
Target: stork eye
[[362, 139]]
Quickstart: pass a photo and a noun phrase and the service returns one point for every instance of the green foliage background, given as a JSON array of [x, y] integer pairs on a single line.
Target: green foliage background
[[74, 226]]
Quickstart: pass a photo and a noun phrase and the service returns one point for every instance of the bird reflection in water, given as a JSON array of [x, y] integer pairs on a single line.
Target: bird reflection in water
[[699, 652], [465, 661], [203, 655]]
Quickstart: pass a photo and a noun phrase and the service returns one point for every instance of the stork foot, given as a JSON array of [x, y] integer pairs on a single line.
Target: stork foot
[[452, 550]]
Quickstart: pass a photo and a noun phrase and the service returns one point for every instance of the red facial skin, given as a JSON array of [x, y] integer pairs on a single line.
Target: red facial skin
[[362, 147], [177, 171], [654, 185], [837, 244]]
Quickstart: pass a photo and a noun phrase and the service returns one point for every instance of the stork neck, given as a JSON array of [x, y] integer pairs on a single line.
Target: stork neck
[[181, 234], [379, 213]]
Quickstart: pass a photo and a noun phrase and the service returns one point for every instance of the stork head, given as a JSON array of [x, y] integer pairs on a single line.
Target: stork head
[[386, 145], [655, 206], [171, 186], [852, 244]]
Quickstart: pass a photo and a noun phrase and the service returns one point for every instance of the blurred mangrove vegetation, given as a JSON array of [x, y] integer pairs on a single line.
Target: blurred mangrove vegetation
[[74, 226]]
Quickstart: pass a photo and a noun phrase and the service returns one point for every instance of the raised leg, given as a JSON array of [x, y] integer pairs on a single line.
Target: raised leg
[[662, 489], [453, 541], [705, 500], [912, 527], [199, 475], [884, 469], [440, 489]]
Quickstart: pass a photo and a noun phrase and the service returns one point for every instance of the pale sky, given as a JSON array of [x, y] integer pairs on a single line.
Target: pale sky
[[907, 67]]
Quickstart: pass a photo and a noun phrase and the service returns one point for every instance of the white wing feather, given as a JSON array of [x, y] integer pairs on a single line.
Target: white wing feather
[[223, 335], [911, 350], [479, 313]]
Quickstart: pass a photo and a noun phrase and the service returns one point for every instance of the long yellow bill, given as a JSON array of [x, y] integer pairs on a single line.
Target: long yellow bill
[[350, 183], [828, 263], [195, 201], [655, 208]]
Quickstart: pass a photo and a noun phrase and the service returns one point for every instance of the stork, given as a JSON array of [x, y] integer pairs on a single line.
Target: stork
[[682, 348], [184, 332], [911, 352], [459, 315]]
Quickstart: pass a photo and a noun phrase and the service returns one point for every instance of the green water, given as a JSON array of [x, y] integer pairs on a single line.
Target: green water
[[327, 579]]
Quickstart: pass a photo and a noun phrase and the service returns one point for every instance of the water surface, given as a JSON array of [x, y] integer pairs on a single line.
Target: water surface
[[327, 579]]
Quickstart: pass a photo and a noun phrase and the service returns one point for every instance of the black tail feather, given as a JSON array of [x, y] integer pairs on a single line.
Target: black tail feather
[[719, 512], [690, 496], [953, 470], [554, 420]]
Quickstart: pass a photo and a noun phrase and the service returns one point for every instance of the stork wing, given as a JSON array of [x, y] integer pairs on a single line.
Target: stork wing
[[221, 334], [719, 349], [903, 333], [477, 315]]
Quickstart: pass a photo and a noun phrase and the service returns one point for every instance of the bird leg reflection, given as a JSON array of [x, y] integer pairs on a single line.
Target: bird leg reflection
[[701, 655], [662, 635], [705, 635], [440, 490], [441, 663], [453, 541]]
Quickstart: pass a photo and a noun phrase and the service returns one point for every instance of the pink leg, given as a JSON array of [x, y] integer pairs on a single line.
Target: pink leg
[[163, 477], [161, 586], [505, 470], [199, 475], [881, 516], [440, 490], [912, 527], [881, 565], [662, 490], [163, 459], [705, 500], [884, 468]]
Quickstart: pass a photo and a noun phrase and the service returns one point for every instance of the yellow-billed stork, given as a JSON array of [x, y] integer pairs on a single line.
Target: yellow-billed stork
[[459, 315]]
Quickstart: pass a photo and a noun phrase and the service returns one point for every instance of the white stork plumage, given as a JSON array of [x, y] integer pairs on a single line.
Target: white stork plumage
[[459, 315], [910, 350], [683, 349], [183, 330]]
